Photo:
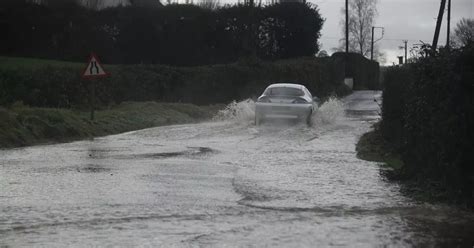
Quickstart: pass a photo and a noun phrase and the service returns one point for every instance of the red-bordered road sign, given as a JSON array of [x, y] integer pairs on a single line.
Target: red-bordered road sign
[[94, 68]]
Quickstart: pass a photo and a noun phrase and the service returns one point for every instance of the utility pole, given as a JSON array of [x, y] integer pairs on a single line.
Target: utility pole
[[406, 49], [372, 45], [449, 25], [348, 80], [347, 26], [373, 42], [434, 45]]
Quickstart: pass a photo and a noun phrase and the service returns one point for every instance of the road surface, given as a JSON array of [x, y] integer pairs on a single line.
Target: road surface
[[220, 183]]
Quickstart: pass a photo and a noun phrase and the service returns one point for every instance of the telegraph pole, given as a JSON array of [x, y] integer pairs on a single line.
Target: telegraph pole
[[406, 48], [434, 45], [406, 51], [449, 25], [374, 41], [348, 80], [347, 26], [372, 45]]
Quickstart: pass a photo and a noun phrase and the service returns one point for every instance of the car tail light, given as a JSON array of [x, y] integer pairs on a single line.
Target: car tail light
[[299, 100], [263, 99]]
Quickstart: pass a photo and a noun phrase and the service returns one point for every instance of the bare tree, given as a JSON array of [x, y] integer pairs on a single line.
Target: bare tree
[[92, 4], [464, 32], [362, 14], [209, 4]]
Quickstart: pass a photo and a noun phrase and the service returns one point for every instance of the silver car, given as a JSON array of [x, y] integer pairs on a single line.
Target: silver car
[[285, 101]]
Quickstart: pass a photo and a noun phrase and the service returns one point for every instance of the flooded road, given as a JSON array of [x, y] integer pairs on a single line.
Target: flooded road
[[221, 183]]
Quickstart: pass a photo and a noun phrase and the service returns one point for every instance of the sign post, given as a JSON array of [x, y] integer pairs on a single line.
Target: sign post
[[92, 99], [93, 70]]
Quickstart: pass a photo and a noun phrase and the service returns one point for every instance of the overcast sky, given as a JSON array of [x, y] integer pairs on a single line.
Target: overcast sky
[[411, 20]]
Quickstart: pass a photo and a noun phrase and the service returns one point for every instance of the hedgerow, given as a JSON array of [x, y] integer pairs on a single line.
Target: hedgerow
[[428, 113]]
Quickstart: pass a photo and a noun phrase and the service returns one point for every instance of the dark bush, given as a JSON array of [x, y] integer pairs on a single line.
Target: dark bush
[[428, 111], [176, 34], [397, 80], [61, 86]]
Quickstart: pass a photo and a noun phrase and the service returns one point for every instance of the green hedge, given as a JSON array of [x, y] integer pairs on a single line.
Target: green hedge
[[62, 86], [428, 112], [174, 34], [364, 71]]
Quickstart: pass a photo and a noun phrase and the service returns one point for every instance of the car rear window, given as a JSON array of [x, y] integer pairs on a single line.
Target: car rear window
[[283, 91]]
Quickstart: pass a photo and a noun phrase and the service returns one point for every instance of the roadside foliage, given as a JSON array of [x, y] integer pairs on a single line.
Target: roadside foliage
[[61, 86], [428, 114], [175, 34]]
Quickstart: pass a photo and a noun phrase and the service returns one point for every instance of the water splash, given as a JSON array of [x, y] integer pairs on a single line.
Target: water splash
[[329, 112], [243, 111]]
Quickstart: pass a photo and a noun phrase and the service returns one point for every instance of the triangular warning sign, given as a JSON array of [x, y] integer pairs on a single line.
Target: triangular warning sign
[[94, 68]]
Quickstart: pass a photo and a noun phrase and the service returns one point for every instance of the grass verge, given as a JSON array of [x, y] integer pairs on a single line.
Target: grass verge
[[22, 126], [32, 63], [373, 147]]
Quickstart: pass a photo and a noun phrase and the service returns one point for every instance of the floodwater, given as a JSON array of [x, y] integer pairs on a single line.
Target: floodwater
[[220, 183]]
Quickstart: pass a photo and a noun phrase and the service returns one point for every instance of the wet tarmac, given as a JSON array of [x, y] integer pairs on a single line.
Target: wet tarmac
[[220, 183]]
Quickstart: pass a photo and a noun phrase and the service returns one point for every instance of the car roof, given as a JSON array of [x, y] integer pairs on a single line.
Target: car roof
[[287, 85]]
